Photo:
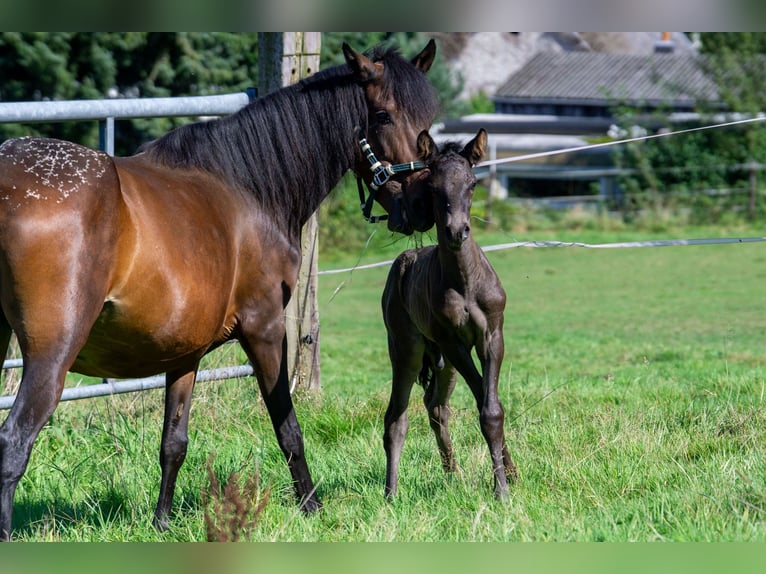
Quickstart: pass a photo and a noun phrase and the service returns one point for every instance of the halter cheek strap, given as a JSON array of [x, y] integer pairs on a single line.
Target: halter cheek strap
[[380, 175]]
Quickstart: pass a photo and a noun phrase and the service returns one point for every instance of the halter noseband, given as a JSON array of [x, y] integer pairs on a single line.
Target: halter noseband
[[380, 175]]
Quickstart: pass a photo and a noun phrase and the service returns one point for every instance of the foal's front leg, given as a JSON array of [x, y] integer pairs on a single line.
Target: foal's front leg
[[492, 415]]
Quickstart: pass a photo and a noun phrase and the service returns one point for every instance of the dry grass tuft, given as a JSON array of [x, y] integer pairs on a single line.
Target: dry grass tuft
[[231, 513]]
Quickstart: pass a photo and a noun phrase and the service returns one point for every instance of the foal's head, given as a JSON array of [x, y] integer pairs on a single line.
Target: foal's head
[[450, 183]]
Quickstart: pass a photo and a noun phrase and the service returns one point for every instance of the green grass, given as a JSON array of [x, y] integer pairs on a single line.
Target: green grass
[[634, 384]]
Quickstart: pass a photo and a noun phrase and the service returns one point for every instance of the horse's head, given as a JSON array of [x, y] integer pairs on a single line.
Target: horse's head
[[449, 181], [400, 103]]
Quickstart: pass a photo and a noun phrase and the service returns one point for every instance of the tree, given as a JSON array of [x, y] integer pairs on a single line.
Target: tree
[[78, 65], [720, 159]]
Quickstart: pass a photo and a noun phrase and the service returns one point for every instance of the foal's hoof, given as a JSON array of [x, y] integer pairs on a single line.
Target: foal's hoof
[[160, 523], [311, 505]]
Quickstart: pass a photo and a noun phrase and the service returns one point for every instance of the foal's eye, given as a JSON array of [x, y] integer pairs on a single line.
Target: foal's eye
[[382, 117]]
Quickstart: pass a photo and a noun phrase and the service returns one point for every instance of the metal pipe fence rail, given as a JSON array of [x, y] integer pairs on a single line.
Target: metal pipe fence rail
[[115, 387], [109, 110]]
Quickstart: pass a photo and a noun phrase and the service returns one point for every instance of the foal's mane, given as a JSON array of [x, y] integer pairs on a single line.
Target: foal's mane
[[290, 147]]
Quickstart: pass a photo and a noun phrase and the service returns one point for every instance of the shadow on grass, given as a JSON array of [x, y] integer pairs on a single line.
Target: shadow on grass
[[47, 519]]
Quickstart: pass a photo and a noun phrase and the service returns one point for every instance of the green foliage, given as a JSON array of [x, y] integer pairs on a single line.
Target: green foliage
[[92, 65], [481, 104], [707, 172], [79, 65]]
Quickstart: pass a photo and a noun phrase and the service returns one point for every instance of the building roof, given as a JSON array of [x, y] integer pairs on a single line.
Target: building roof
[[589, 78]]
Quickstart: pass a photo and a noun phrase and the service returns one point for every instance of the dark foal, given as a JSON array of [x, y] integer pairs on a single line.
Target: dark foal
[[439, 303]]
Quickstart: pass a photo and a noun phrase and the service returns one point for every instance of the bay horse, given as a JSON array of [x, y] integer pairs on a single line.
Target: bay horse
[[133, 266], [440, 302]]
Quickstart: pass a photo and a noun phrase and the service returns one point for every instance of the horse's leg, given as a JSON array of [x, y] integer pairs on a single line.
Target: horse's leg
[[5, 338], [178, 394], [406, 360], [491, 414], [436, 400], [266, 347]]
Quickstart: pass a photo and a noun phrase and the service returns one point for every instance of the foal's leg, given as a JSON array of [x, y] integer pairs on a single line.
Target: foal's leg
[[491, 414], [492, 417], [266, 347], [436, 400], [406, 359], [178, 395]]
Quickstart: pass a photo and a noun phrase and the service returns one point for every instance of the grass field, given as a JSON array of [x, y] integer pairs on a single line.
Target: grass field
[[633, 384]]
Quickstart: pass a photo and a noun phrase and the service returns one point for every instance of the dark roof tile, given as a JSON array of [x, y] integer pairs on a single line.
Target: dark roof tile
[[583, 76]]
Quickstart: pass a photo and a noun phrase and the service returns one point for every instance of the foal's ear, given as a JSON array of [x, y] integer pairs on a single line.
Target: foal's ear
[[474, 149], [426, 146], [424, 60], [364, 68]]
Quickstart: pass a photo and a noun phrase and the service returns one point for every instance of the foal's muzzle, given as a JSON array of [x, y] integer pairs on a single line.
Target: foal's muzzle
[[456, 237]]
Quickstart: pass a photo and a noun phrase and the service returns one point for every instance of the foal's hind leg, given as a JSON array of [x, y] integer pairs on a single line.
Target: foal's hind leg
[[436, 400], [178, 394], [406, 360]]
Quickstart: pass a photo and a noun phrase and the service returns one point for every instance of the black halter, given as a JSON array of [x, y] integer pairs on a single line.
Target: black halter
[[380, 175]]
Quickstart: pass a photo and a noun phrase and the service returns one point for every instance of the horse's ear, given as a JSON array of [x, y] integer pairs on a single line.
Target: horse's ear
[[474, 149], [426, 146], [364, 68], [424, 60]]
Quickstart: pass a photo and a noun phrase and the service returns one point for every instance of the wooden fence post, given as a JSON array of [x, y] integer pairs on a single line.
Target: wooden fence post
[[283, 59]]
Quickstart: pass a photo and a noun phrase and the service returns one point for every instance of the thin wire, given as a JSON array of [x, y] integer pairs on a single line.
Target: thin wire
[[758, 118]]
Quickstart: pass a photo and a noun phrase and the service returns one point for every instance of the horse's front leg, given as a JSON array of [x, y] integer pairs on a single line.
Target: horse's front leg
[[266, 347], [178, 393]]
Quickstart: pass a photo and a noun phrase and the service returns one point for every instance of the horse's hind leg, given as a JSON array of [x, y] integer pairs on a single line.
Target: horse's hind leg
[[178, 393], [436, 400], [39, 393]]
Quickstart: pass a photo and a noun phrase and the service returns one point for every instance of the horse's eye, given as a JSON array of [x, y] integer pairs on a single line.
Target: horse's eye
[[383, 117]]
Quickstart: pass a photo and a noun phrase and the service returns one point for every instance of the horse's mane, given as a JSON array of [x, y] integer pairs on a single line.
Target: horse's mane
[[291, 147]]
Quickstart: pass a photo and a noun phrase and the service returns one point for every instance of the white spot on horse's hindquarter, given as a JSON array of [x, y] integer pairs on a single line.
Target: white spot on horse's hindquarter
[[58, 168]]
